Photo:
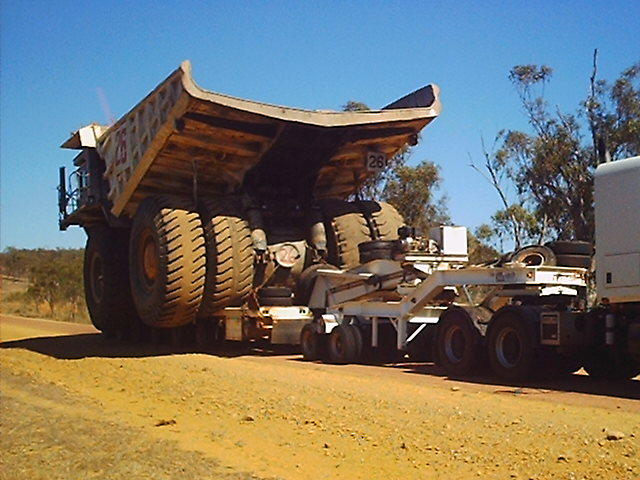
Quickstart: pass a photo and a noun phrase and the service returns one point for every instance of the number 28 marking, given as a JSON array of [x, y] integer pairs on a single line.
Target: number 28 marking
[[376, 161]]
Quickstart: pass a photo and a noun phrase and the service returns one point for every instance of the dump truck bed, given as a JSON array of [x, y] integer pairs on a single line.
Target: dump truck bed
[[180, 133]]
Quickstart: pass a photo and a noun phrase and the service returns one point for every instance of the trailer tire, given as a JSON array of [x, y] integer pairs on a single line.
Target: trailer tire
[[229, 274], [604, 365], [167, 262], [311, 343], [556, 365], [511, 340], [358, 337], [566, 260], [458, 343], [106, 280], [534, 255], [573, 247], [342, 345]]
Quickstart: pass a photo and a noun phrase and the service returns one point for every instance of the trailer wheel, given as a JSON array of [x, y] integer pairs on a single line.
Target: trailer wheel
[[606, 365], [311, 343], [229, 275], [357, 335], [510, 341], [106, 280], [556, 365], [167, 261], [458, 343], [342, 345]]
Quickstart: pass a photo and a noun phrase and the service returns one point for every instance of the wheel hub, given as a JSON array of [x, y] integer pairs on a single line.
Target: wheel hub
[[149, 255], [508, 348], [454, 344]]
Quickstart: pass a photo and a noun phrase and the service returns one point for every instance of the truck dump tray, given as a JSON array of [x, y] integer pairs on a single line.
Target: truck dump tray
[[181, 135]]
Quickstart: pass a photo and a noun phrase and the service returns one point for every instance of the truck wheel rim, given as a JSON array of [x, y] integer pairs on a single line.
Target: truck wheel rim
[[97, 278], [508, 347], [454, 344], [149, 255]]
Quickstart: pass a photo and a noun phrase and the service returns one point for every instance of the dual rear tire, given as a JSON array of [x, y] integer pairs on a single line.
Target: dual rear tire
[[348, 224], [167, 262], [174, 265]]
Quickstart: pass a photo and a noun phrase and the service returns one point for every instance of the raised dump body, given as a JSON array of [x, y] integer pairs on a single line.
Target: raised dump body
[[180, 132], [212, 208]]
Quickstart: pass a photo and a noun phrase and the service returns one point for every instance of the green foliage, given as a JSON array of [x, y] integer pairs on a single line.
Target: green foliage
[[480, 251], [354, 106], [53, 277], [412, 190], [551, 167]]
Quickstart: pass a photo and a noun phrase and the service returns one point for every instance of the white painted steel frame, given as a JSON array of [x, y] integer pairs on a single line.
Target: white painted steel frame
[[401, 311]]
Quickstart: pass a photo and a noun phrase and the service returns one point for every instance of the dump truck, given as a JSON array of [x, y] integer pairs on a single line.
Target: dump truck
[[210, 211], [228, 219], [535, 318]]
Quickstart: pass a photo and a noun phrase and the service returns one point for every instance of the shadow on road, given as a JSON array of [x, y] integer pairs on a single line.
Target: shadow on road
[[73, 347], [538, 385]]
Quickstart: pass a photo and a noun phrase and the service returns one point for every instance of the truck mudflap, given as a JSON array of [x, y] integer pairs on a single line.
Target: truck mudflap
[[181, 137]]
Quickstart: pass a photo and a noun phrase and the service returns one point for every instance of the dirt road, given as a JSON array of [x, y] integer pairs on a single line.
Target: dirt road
[[76, 405]]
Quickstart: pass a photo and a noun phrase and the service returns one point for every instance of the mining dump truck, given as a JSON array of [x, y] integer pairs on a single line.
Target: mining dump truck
[[207, 210]]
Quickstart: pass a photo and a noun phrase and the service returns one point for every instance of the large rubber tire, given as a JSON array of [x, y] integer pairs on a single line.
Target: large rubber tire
[[387, 220], [458, 343], [606, 365], [511, 340], [359, 339], [229, 249], [566, 260], [312, 343], [106, 280], [343, 346], [347, 226], [555, 365], [376, 250], [275, 296], [574, 247], [275, 292], [167, 261], [534, 255]]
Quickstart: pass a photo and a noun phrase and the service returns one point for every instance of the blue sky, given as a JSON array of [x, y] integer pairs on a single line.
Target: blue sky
[[55, 55]]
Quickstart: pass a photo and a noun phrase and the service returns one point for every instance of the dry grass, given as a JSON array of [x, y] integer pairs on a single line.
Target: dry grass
[[14, 300]]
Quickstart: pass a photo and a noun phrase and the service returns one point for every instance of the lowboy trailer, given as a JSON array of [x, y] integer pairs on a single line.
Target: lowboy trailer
[[534, 318]]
